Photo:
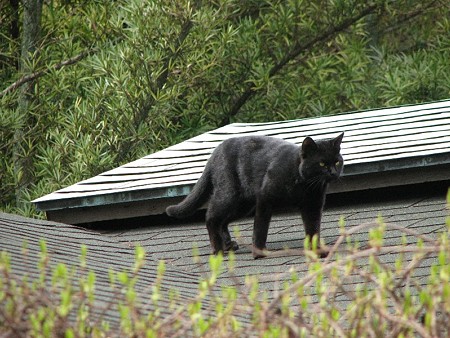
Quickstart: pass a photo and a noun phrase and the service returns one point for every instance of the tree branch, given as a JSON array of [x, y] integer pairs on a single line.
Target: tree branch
[[162, 78], [297, 49], [143, 111], [35, 75], [414, 13]]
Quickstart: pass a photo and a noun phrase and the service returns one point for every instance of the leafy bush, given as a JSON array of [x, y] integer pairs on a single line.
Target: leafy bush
[[387, 301]]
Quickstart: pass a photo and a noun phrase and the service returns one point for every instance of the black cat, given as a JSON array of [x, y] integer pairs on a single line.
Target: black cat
[[256, 173]]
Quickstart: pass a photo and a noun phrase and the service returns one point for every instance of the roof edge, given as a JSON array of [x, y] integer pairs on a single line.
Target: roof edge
[[113, 198], [421, 162], [147, 203]]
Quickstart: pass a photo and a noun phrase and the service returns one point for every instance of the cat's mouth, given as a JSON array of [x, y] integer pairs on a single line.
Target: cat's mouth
[[332, 178]]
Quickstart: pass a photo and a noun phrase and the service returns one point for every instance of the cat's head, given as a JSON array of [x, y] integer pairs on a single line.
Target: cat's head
[[321, 159]]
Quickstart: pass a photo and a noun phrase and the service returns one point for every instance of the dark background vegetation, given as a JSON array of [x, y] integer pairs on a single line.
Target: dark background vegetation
[[86, 86]]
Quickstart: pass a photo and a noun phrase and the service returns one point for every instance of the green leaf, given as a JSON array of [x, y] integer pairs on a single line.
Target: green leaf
[[341, 225], [43, 247], [69, 333], [123, 277], [59, 274], [161, 268], [83, 256], [66, 302], [139, 258]]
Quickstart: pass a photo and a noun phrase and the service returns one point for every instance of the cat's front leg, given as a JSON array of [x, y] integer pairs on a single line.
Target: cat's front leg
[[263, 215], [312, 216]]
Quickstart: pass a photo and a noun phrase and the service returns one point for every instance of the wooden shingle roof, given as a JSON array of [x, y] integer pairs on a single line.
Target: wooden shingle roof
[[411, 143]]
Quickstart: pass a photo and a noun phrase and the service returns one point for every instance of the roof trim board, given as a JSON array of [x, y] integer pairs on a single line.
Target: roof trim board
[[375, 141]]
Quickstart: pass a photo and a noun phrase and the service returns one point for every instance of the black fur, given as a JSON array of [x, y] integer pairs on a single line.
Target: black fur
[[257, 173]]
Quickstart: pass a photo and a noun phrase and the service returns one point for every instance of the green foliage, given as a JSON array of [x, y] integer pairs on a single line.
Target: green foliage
[[386, 302], [147, 74]]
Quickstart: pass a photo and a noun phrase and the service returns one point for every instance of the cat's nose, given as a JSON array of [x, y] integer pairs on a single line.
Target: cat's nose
[[332, 172]]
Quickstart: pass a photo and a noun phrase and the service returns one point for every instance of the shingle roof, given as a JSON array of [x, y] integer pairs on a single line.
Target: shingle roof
[[423, 212], [375, 141]]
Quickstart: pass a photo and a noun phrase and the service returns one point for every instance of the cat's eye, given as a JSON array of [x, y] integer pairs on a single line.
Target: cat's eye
[[322, 164], [338, 164]]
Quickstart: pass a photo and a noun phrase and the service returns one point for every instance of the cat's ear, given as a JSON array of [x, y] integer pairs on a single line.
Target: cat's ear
[[308, 147], [337, 141]]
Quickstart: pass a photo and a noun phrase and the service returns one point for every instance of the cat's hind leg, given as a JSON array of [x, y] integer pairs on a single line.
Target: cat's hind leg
[[220, 213], [229, 244], [241, 208], [215, 236]]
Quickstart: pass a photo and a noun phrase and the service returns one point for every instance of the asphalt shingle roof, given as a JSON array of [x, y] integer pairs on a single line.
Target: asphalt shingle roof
[[424, 212]]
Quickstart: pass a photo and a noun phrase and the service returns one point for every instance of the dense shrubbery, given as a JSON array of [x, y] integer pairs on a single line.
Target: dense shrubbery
[[388, 300], [112, 83]]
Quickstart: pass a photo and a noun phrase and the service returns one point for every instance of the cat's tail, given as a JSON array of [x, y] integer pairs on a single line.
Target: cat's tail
[[196, 198]]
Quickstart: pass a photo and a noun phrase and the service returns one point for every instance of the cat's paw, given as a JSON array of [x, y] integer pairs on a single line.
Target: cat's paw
[[323, 252], [259, 253], [233, 246]]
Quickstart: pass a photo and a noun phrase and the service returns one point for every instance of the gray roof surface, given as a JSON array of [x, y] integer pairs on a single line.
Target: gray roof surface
[[424, 213], [375, 141]]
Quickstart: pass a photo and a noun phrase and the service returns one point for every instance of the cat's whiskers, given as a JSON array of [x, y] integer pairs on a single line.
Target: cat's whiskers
[[314, 182]]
